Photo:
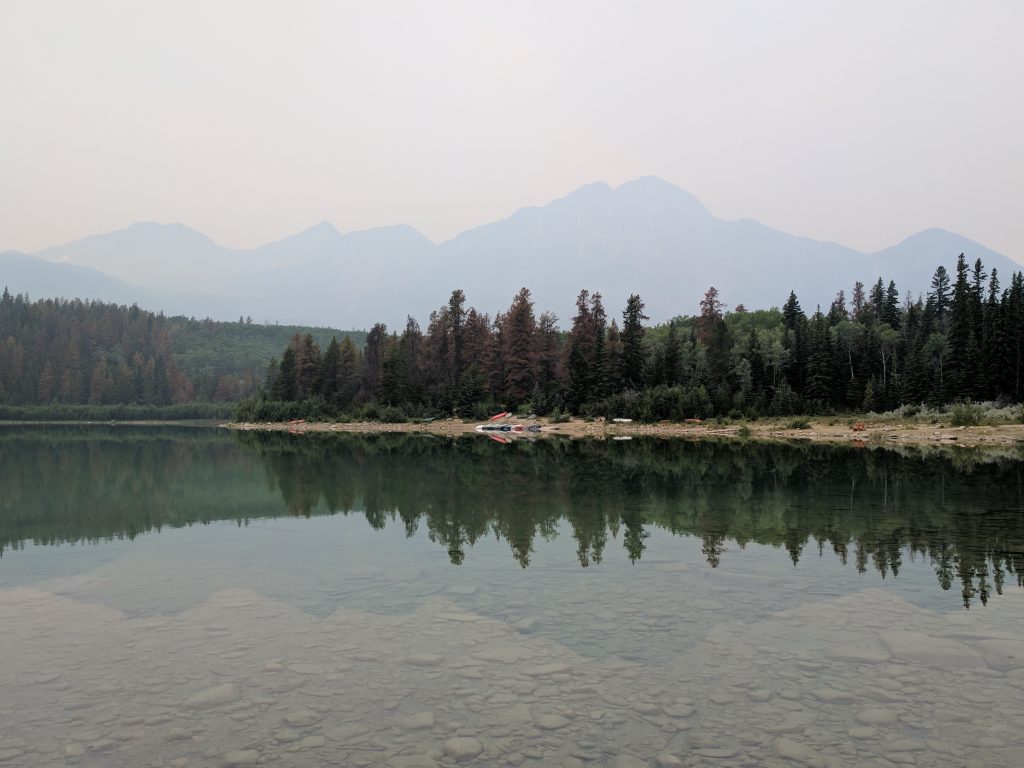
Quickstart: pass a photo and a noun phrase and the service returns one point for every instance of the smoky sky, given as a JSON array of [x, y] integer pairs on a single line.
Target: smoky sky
[[856, 122]]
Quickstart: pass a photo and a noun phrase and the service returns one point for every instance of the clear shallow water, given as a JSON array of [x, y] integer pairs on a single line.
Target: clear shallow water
[[196, 597]]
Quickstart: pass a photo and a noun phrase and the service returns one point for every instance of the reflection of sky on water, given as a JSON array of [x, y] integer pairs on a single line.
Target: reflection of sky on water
[[353, 639], [322, 563]]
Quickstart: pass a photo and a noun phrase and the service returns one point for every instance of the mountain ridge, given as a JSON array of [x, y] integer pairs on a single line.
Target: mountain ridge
[[644, 236]]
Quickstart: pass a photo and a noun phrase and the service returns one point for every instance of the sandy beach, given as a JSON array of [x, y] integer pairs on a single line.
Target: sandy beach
[[828, 430]]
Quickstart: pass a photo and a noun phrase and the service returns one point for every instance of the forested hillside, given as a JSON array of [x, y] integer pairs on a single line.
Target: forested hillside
[[56, 351], [873, 350], [226, 361]]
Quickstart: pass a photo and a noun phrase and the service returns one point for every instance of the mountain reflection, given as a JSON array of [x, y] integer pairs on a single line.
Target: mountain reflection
[[963, 511]]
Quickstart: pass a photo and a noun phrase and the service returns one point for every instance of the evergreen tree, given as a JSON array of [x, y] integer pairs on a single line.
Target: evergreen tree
[[329, 377], [600, 375], [795, 324], [940, 296], [710, 314], [993, 340], [819, 364], [285, 387], [519, 349], [349, 373], [631, 362], [858, 300], [1013, 328], [549, 352], [962, 340], [837, 312], [579, 354], [373, 361]]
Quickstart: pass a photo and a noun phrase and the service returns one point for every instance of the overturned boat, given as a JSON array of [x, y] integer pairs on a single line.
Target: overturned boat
[[514, 428]]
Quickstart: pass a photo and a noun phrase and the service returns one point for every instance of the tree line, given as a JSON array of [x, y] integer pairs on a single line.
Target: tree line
[[871, 351], [84, 352], [92, 360]]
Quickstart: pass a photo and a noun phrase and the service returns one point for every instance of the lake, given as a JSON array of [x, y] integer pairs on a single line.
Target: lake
[[174, 596]]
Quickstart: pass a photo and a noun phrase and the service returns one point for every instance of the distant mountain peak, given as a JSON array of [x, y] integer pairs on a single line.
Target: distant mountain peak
[[655, 190], [175, 230], [323, 226], [937, 242]]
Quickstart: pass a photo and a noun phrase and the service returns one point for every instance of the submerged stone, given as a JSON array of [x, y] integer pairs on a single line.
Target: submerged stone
[[417, 721], [919, 648], [241, 757], [462, 748], [216, 696], [788, 749], [551, 722]]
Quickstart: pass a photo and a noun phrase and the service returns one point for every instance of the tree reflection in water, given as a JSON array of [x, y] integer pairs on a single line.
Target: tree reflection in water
[[962, 510]]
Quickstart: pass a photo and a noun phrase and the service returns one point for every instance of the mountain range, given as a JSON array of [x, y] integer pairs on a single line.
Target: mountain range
[[646, 236]]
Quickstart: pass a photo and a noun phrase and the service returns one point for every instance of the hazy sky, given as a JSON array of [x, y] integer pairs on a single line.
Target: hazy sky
[[861, 122]]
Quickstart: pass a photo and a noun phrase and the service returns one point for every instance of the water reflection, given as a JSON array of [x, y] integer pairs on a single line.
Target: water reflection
[[962, 511]]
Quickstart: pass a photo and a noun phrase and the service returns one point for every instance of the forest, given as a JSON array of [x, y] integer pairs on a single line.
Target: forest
[[84, 359], [869, 351]]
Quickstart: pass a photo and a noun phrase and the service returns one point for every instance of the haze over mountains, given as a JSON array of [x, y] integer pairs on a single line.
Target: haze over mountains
[[646, 236]]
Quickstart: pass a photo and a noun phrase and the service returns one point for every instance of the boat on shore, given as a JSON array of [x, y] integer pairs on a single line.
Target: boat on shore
[[513, 428]]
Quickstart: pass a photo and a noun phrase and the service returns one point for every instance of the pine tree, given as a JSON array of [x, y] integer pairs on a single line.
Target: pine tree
[[284, 384], [891, 306], [519, 349], [600, 375], [670, 357], [580, 351], [876, 299], [457, 322], [328, 379], [549, 349], [631, 362], [993, 339], [710, 314], [940, 296], [819, 364], [858, 300], [349, 373], [373, 361], [1013, 325], [837, 312], [961, 334], [795, 324]]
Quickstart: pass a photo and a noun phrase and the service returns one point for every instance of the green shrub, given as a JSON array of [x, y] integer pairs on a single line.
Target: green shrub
[[799, 424], [389, 414], [560, 417], [744, 432], [966, 414]]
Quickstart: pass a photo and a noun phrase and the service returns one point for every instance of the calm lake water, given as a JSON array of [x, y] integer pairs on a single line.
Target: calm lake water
[[196, 597]]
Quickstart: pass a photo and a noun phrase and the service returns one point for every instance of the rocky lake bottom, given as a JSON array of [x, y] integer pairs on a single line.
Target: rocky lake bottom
[[864, 679], [161, 627]]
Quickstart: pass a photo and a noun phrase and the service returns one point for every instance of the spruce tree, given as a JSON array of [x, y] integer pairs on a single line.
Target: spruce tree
[[631, 362], [795, 323], [284, 385], [940, 296], [580, 352], [519, 349], [819, 364]]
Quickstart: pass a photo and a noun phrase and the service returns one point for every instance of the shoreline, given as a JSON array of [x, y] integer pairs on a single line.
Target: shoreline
[[831, 430]]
